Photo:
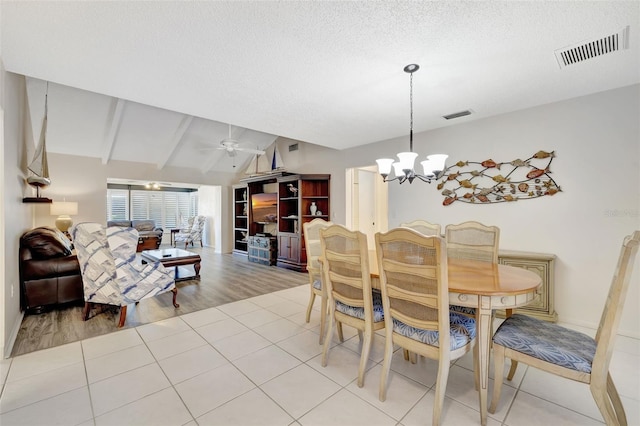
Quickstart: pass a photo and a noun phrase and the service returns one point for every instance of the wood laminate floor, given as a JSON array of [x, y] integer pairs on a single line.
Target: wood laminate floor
[[224, 278]]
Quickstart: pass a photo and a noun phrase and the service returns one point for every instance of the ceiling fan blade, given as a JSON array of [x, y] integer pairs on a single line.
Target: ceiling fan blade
[[250, 150]]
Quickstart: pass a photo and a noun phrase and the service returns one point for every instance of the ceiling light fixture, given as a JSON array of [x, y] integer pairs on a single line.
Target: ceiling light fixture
[[433, 166], [152, 185]]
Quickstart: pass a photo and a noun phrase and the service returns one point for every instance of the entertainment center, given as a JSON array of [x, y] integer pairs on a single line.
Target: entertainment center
[[273, 208]]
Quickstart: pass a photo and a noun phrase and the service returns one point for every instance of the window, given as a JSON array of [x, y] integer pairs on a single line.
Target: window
[[117, 204], [168, 208]]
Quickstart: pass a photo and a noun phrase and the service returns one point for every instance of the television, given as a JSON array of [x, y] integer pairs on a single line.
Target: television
[[264, 207]]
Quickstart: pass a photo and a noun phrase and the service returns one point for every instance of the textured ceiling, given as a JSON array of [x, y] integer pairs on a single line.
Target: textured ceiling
[[328, 73]]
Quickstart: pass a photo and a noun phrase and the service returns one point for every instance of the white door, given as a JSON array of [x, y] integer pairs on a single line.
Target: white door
[[367, 199]]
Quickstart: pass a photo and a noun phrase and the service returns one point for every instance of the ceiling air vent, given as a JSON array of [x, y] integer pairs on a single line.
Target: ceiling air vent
[[590, 49], [456, 115]]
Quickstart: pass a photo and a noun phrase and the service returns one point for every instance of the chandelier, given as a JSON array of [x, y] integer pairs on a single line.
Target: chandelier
[[433, 166]]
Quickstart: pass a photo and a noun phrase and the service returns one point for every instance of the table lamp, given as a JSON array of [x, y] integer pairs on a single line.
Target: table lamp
[[64, 210]]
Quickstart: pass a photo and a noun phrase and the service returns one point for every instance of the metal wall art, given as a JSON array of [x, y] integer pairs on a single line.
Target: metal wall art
[[491, 182]]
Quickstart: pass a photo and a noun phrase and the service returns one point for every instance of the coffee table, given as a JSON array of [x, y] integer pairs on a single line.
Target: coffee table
[[175, 258]]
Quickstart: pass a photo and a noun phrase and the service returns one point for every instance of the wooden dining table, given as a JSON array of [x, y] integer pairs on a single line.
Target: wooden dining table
[[484, 286]]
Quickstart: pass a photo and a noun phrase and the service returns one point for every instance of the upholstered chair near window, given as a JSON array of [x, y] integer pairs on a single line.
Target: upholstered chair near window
[[415, 296], [110, 273], [311, 231], [194, 234], [423, 227], [567, 353], [346, 274]]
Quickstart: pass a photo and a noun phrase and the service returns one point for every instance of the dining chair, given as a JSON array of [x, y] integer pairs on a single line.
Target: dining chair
[[110, 273], [415, 297], [311, 231], [347, 277], [568, 353], [423, 227]]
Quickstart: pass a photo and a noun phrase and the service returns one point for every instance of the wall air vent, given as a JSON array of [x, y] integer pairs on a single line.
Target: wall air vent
[[457, 115], [293, 147], [590, 49]]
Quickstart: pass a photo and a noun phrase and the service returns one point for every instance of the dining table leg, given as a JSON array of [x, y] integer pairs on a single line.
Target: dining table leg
[[483, 336]]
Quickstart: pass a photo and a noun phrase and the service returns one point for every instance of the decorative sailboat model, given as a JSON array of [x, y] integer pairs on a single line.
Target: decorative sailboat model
[[263, 165], [39, 165]]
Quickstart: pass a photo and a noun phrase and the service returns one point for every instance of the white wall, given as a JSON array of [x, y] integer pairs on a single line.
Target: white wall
[[210, 205], [597, 142], [15, 217]]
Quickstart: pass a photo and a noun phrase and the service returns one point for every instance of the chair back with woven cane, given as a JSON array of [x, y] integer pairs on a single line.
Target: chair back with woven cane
[[472, 241]]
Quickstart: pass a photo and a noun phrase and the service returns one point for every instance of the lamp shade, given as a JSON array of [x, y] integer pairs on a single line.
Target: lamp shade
[[384, 165], [63, 208], [437, 162], [407, 159]]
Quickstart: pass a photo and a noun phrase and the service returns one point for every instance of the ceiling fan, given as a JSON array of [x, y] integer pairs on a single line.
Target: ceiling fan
[[232, 146]]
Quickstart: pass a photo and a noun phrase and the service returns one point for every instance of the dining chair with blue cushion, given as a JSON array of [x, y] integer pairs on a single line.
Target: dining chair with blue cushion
[[311, 232], [568, 353], [111, 273], [347, 276], [415, 297]]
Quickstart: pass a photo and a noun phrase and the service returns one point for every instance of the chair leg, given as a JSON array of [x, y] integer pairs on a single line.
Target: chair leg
[[340, 335], [201, 243], [615, 400], [602, 392], [406, 354], [310, 306], [175, 295], [323, 316], [498, 356], [123, 316], [327, 338], [366, 349], [386, 365], [441, 387], [512, 370], [86, 311]]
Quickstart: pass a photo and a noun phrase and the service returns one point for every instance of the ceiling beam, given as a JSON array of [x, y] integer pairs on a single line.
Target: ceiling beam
[[113, 121], [176, 140]]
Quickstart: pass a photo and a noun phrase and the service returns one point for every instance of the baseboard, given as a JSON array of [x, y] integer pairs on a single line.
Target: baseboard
[[8, 347]]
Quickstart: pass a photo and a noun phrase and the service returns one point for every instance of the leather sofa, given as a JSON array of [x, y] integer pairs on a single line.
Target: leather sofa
[[149, 236], [49, 272]]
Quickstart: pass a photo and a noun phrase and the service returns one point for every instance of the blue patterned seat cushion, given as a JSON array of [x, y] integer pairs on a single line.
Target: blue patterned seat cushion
[[378, 312], [546, 341], [463, 310], [462, 330], [317, 284]]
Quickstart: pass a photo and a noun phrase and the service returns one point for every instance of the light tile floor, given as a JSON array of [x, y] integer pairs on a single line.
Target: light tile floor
[[256, 362]]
